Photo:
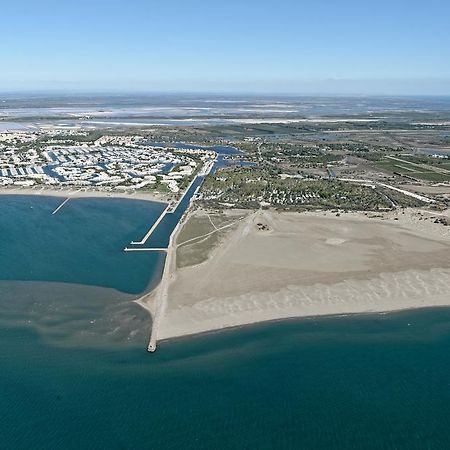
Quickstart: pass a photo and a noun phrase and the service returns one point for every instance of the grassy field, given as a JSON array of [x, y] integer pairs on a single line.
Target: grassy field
[[417, 168], [192, 251]]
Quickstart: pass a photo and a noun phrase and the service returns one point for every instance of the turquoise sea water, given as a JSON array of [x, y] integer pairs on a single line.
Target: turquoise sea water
[[83, 243], [74, 373], [67, 274]]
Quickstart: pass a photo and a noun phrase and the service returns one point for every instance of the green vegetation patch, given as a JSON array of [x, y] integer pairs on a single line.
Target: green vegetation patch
[[417, 168], [198, 237], [250, 188]]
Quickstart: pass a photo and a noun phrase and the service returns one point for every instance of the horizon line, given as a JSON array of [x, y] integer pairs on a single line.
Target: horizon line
[[212, 93]]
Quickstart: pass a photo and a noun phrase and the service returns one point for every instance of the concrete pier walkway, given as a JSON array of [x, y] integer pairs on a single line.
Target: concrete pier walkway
[[171, 208], [60, 206], [143, 249], [149, 232]]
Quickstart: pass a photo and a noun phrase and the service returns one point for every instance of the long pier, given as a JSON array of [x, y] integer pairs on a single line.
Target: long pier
[[60, 206], [171, 208], [149, 232], [144, 249]]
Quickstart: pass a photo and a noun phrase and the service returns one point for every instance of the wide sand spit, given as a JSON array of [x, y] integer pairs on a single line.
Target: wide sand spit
[[280, 265]]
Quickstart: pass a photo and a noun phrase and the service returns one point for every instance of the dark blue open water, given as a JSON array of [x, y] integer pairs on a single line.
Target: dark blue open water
[[376, 382], [74, 373]]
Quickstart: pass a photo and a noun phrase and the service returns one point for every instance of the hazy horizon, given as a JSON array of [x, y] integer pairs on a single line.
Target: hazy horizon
[[318, 48], [68, 92], [410, 88]]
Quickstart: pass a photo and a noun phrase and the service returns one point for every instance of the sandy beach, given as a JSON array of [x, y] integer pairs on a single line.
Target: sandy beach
[[280, 265], [80, 193]]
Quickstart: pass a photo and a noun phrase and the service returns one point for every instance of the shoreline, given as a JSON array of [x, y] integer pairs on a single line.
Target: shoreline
[[312, 317], [84, 193], [250, 319]]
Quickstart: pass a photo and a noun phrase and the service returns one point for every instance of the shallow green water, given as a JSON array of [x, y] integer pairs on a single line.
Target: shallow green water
[[74, 373]]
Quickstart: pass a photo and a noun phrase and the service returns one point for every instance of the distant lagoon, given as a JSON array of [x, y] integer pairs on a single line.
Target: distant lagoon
[[12, 126]]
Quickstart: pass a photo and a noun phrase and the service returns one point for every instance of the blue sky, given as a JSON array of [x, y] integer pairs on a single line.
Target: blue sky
[[320, 46]]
